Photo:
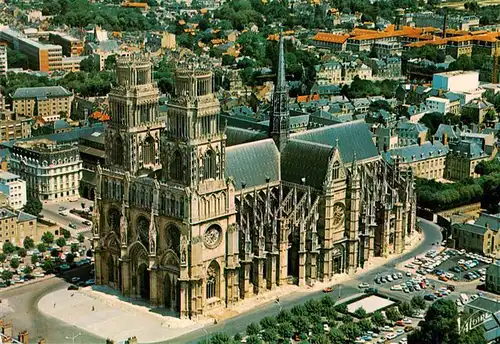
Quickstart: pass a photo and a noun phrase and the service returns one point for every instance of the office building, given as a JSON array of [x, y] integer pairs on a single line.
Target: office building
[[456, 81], [70, 45], [14, 188], [14, 127], [41, 57], [481, 236], [52, 171]]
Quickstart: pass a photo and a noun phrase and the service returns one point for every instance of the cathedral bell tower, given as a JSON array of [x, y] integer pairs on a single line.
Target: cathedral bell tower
[[133, 134], [193, 146], [279, 121]]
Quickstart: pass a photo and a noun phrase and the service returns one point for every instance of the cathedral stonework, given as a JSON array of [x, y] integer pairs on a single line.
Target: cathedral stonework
[[192, 222]]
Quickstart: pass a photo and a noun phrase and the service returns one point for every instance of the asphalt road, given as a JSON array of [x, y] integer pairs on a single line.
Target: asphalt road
[[51, 212], [25, 314], [432, 235]]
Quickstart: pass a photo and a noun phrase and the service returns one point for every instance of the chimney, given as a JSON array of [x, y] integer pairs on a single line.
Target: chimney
[[445, 139], [24, 337], [419, 140]]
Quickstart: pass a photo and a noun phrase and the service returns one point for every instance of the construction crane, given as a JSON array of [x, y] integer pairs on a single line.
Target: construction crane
[[494, 77]]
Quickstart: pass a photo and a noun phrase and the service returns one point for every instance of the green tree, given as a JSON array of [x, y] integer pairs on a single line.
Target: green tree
[[22, 252], [48, 266], [392, 314], [301, 324], [253, 45], [28, 243], [284, 316], [237, 337], [342, 308], [253, 329], [34, 259], [418, 302], [321, 338], [27, 269], [336, 336], [270, 335], [80, 238], [378, 319], [74, 247], [365, 325], [7, 275], [8, 248], [41, 247], [14, 263], [70, 258], [268, 322], [253, 339], [351, 330], [299, 310], [285, 330], [54, 253], [405, 309], [33, 206], [61, 242], [89, 65], [47, 238], [3, 257], [228, 60], [66, 234], [110, 62], [360, 313]]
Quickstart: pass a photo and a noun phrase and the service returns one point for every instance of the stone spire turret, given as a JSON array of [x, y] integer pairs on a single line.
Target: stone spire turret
[[279, 122]]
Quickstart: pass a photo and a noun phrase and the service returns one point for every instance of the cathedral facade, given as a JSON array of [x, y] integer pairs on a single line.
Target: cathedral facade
[[194, 215]]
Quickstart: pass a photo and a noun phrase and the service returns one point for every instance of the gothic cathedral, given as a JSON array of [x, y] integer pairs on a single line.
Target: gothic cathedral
[[192, 220]]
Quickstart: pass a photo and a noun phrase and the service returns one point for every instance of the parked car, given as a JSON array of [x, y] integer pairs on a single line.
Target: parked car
[[371, 290], [363, 285], [87, 223], [75, 279], [72, 225], [73, 287]]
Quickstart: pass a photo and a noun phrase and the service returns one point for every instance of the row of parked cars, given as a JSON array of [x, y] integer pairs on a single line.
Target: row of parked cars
[[389, 278]]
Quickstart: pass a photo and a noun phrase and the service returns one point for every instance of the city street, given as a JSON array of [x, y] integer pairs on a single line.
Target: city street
[[239, 323]]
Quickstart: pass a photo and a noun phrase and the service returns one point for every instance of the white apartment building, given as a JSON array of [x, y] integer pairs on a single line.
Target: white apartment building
[[12, 186], [456, 81], [3, 60], [436, 104], [52, 171]]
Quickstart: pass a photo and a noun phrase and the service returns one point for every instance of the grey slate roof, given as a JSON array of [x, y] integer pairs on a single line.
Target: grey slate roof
[[251, 163], [353, 137], [472, 228], [60, 124], [244, 123], [237, 136], [303, 159], [472, 149], [417, 152], [493, 221], [40, 92]]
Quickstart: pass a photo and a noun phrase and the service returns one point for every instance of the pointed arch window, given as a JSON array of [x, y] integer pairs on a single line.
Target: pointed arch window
[[117, 155], [209, 165], [148, 151], [212, 289], [176, 172], [336, 170]]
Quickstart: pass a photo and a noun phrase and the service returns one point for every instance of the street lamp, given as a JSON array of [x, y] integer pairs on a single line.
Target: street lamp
[[74, 337]]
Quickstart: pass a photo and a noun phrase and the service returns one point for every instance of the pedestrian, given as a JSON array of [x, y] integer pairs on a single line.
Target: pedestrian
[[93, 309], [54, 305], [72, 294]]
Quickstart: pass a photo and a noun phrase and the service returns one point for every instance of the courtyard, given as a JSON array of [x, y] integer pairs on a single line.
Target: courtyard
[[370, 304]]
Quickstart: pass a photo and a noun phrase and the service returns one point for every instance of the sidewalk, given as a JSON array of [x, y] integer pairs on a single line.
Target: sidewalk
[[108, 317]]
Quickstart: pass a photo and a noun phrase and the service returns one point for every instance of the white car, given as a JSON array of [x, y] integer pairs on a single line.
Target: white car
[[391, 335], [389, 278], [408, 274], [396, 287], [407, 321], [363, 285]]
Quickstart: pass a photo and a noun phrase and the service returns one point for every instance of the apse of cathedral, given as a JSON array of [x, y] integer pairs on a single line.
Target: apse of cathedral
[[192, 219]]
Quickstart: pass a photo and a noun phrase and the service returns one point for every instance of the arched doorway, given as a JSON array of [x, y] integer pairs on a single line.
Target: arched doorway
[[144, 281], [92, 194], [168, 292], [86, 192]]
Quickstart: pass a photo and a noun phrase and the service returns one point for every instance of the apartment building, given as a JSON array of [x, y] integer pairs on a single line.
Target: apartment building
[[52, 171], [481, 236], [50, 102], [456, 81], [426, 19], [462, 159], [331, 41], [70, 45], [3, 60], [14, 128], [329, 73], [426, 159], [12, 186], [41, 57], [442, 105], [16, 226]]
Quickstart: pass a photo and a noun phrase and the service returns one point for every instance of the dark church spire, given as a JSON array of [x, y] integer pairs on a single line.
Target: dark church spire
[[279, 122]]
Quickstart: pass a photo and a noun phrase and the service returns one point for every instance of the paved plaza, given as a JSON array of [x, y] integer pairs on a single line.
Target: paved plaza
[[370, 304], [109, 317]]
